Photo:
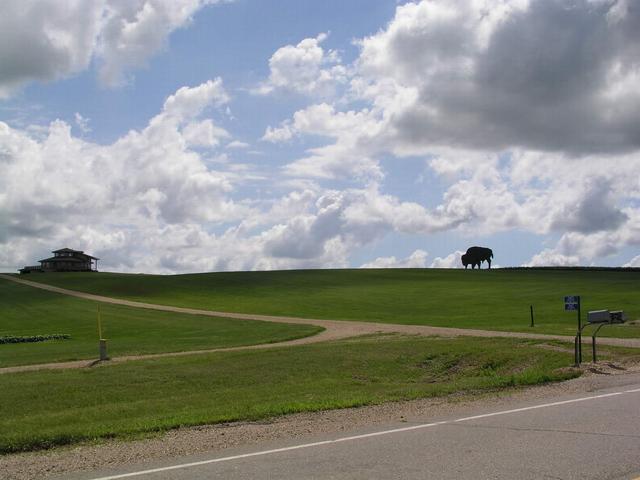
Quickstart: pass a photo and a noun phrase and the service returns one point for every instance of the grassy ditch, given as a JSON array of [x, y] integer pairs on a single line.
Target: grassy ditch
[[27, 311], [50, 408], [496, 299]]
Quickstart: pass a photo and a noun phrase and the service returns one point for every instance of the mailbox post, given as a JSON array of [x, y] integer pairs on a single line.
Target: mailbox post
[[572, 303], [602, 318]]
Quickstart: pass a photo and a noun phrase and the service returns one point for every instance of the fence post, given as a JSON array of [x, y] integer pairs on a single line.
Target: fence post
[[531, 309]]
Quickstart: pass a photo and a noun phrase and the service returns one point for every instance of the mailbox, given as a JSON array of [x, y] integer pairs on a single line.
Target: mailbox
[[602, 318], [599, 316], [617, 316]]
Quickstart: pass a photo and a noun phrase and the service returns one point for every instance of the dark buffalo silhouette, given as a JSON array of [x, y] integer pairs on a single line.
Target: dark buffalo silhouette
[[475, 256], [466, 261]]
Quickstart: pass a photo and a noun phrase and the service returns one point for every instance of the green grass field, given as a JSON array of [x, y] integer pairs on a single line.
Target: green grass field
[[29, 311], [49, 408], [497, 299]]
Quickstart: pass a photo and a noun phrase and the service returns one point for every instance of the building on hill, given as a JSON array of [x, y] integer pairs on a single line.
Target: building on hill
[[65, 260]]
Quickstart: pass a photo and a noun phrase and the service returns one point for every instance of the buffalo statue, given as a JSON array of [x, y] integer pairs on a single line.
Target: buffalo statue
[[475, 256], [466, 261]]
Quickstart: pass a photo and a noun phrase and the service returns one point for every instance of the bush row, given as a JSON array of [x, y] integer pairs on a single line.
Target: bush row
[[34, 338]]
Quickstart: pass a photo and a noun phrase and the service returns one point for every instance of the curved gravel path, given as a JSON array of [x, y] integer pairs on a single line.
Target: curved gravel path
[[334, 329]]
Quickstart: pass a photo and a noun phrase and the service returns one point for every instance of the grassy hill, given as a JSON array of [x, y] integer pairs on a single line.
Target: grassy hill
[[45, 409], [498, 299], [27, 311]]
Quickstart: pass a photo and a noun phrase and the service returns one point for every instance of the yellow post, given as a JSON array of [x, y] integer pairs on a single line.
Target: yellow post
[[103, 343], [99, 322]]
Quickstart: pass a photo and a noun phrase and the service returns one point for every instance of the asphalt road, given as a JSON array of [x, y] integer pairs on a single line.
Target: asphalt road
[[593, 435]]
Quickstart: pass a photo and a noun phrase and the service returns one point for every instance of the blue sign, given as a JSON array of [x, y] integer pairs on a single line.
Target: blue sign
[[572, 302]]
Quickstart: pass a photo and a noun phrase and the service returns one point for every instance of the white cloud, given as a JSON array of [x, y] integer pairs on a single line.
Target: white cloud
[[634, 262], [577, 247], [151, 202], [304, 68], [418, 259], [204, 133], [549, 76], [354, 133], [190, 102], [321, 228], [595, 210], [525, 115], [57, 185], [135, 30], [82, 123], [47, 40], [521, 140], [279, 134], [237, 145], [470, 74], [375, 208], [551, 258], [450, 261]]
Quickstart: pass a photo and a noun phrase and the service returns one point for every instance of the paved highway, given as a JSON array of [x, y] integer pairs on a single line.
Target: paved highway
[[594, 435]]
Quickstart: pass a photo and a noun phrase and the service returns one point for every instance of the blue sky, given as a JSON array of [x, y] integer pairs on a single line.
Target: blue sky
[[177, 136], [233, 41]]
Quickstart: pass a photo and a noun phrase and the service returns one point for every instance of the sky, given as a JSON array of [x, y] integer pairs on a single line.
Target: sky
[[173, 136]]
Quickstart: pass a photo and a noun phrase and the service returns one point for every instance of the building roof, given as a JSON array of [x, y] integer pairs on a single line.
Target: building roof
[[71, 250], [65, 259]]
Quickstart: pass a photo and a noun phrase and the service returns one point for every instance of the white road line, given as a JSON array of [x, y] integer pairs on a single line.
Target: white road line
[[359, 437]]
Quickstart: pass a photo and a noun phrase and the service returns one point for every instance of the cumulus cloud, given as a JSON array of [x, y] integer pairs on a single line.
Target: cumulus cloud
[[579, 247], [279, 134], [52, 186], [551, 258], [82, 123], [525, 111], [594, 211], [634, 262], [418, 259], [492, 75], [305, 68], [151, 201], [237, 145], [450, 261], [550, 76], [354, 133], [133, 31], [525, 115], [340, 221], [48, 40], [189, 102]]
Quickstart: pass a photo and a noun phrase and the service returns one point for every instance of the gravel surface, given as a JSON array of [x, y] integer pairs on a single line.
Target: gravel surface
[[215, 439]]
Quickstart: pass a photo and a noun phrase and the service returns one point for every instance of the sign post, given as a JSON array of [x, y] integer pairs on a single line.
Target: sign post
[[573, 303], [102, 348], [531, 310]]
